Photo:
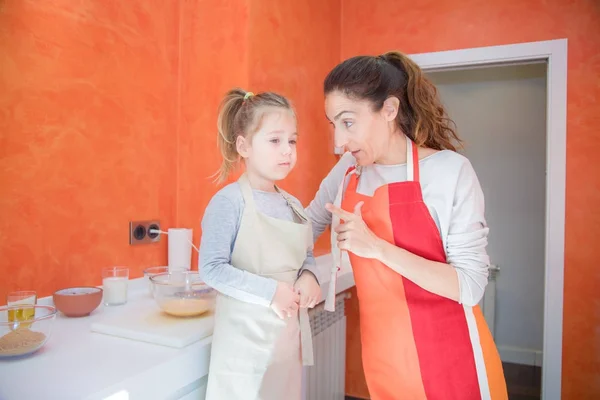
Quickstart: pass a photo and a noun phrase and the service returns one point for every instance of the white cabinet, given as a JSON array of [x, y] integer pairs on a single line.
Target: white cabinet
[[198, 394], [194, 391]]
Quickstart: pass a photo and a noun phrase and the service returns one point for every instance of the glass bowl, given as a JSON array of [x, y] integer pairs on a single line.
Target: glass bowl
[[182, 293], [151, 271], [24, 329]]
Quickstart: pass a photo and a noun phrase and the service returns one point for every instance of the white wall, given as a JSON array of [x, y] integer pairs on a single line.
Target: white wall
[[500, 112]]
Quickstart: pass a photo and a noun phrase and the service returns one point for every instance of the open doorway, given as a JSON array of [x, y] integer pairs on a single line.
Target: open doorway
[[500, 113], [553, 56]]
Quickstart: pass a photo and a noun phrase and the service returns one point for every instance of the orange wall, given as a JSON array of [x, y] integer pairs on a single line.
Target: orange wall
[[87, 137], [109, 114], [213, 54], [417, 27], [109, 109], [293, 45], [256, 45]]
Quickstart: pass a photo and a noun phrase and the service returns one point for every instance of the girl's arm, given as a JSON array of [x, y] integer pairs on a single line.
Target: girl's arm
[[310, 265], [220, 225]]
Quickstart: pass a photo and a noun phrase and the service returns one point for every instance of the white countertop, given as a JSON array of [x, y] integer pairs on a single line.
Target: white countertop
[[79, 364]]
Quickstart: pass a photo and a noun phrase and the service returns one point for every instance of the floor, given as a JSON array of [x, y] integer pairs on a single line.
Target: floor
[[524, 382]]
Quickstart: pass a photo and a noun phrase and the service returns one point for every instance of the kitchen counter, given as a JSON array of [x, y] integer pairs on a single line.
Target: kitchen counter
[[77, 363]]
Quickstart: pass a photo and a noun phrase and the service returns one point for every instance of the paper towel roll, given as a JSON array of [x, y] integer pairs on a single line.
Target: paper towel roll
[[180, 248]]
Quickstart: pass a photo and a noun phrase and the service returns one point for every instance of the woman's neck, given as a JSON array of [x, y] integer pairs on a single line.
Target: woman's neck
[[395, 150]]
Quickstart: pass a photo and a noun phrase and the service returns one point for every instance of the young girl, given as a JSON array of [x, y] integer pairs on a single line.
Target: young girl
[[256, 251]]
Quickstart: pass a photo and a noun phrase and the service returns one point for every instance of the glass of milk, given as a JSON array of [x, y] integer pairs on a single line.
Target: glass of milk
[[114, 285]]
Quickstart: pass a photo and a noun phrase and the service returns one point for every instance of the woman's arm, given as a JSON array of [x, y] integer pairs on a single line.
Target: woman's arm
[[435, 277], [464, 277], [316, 211], [219, 230]]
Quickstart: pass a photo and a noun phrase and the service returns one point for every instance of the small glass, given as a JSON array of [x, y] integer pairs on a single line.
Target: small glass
[[22, 298], [114, 284]]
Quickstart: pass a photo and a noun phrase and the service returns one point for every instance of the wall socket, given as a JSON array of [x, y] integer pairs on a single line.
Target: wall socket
[[139, 232]]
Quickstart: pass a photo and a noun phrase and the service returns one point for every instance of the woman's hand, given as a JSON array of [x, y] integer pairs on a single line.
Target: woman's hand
[[353, 234]]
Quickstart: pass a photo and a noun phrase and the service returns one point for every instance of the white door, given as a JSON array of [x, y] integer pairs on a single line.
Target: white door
[[500, 113]]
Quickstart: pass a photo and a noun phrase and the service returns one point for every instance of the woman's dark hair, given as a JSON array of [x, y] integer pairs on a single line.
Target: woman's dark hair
[[421, 116]]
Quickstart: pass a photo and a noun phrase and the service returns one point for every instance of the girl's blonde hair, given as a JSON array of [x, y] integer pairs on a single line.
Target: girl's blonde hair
[[240, 114]]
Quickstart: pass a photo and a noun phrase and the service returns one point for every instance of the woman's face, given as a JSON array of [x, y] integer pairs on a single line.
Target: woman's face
[[359, 129]]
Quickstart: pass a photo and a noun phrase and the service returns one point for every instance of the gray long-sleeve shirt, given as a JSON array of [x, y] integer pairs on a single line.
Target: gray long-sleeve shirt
[[220, 226]]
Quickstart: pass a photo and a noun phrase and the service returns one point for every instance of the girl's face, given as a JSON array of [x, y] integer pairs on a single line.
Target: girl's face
[[270, 154], [359, 129]]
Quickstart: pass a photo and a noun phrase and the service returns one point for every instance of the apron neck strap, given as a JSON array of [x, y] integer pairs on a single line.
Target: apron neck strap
[[246, 191], [412, 161], [298, 211], [251, 205]]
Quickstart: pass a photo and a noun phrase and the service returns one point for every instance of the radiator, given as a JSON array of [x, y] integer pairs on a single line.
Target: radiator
[[488, 302], [325, 380]]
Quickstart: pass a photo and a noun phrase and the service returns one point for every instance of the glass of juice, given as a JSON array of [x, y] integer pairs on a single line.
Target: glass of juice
[[114, 285], [25, 299]]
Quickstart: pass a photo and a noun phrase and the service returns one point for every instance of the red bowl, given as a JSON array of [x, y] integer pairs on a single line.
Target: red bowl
[[77, 301]]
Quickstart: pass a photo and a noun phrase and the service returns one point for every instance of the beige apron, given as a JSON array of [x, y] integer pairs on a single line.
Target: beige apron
[[255, 354]]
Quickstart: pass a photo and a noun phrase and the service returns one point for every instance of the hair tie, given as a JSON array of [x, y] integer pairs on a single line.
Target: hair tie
[[247, 95]]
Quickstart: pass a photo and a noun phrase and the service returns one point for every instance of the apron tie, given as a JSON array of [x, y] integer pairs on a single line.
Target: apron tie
[[306, 342]]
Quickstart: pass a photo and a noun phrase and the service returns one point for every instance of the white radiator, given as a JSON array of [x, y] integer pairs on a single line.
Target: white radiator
[[325, 380], [488, 302]]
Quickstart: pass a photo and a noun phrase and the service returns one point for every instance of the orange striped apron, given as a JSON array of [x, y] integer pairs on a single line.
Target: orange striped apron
[[415, 344]]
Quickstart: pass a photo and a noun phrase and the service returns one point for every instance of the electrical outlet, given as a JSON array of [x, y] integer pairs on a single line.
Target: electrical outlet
[[139, 232]]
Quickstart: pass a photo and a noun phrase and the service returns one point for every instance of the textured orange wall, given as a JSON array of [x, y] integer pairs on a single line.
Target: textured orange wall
[[418, 27], [257, 45], [292, 47], [108, 114], [86, 137], [213, 57]]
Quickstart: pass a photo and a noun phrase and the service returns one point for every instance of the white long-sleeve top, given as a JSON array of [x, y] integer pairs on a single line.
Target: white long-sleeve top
[[454, 198]]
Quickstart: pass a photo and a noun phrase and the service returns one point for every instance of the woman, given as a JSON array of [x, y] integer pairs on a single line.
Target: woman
[[412, 221]]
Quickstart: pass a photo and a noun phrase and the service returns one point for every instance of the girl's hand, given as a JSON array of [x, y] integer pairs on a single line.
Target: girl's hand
[[309, 290], [285, 301]]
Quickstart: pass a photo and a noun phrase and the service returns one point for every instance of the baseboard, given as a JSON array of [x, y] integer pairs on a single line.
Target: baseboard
[[519, 355]]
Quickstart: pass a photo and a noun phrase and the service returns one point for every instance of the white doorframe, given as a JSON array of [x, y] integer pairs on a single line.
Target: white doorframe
[[554, 52]]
